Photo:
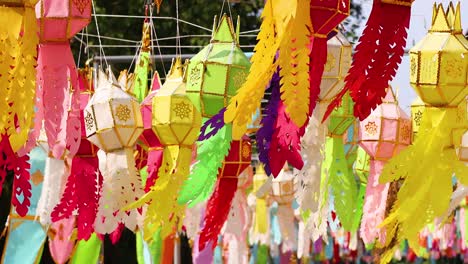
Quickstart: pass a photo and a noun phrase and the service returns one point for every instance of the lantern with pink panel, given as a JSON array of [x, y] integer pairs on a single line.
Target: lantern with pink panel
[[58, 93], [382, 135], [148, 138]]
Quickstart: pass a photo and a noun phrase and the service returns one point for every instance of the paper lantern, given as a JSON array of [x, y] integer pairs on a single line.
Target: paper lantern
[[113, 123], [336, 167], [336, 67], [219, 204], [386, 131], [149, 140], [216, 73], [176, 122], [439, 62], [382, 135], [85, 180], [282, 192], [58, 102]]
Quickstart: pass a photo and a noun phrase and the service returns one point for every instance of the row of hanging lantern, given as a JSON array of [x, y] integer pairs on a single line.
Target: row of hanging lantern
[[213, 88]]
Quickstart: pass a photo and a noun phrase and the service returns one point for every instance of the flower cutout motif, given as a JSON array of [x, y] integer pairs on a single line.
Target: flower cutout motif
[[405, 132], [89, 121], [123, 112], [81, 5], [414, 66], [417, 117], [239, 78], [182, 110], [371, 128], [195, 76], [453, 68], [331, 61]]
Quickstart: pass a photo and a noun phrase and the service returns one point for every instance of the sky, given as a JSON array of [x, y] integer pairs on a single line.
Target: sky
[[421, 15]]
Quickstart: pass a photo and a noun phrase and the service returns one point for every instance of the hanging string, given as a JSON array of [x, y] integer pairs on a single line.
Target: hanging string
[[79, 53], [178, 48], [154, 36], [229, 8], [101, 50]]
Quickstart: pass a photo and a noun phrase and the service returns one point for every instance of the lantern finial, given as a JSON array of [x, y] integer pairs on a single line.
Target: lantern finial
[[177, 69], [456, 22], [440, 22], [224, 32]]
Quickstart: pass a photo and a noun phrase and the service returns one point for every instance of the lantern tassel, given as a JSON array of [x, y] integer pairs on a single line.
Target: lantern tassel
[[342, 183], [54, 178], [121, 187], [155, 158], [210, 155], [378, 55], [82, 193], [276, 17], [374, 205], [288, 233], [217, 210], [264, 134], [57, 73], [433, 194], [285, 144], [294, 60]]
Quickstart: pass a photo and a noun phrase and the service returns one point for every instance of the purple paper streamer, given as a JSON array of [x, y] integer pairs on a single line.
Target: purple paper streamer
[[215, 123], [264, 134]]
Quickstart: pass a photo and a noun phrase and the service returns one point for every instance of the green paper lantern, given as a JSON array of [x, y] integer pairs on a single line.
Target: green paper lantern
[[342, 117], [216, 73]]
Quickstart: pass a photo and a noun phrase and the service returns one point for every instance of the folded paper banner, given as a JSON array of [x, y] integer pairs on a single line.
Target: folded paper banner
[[219, 204], [85, 180], [18, 249], [340, 178], [18, 82], [177, 123], [443, 123], [58, 92], [282, 192], [113, 123], [148, 139], [378, 55], [384, 134], [214, 75]]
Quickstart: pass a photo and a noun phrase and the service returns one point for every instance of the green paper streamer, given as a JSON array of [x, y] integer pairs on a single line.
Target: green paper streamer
[[87, 251], [210, 156], [342, 183], [361, 167], [140, 248], [359, 208], [156, 247], [140, 86]]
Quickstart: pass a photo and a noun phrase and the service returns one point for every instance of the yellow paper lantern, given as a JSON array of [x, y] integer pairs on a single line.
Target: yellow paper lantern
[[176, 120], [418, 107], [439, 62]]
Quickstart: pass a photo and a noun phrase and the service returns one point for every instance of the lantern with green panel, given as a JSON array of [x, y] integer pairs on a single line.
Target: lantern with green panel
[[342, 182], [218, 70]]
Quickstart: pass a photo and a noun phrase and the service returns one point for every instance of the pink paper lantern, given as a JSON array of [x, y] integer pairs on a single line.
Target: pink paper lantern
[[60, 20], [386, 131], [383, 134]]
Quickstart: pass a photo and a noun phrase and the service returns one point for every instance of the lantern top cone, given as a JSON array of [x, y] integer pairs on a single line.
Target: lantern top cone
[[326, 15], [439, 62], [112, 117], [216, 73]]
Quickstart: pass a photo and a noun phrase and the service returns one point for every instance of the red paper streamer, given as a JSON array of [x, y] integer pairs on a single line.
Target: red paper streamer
[[377, 57]]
